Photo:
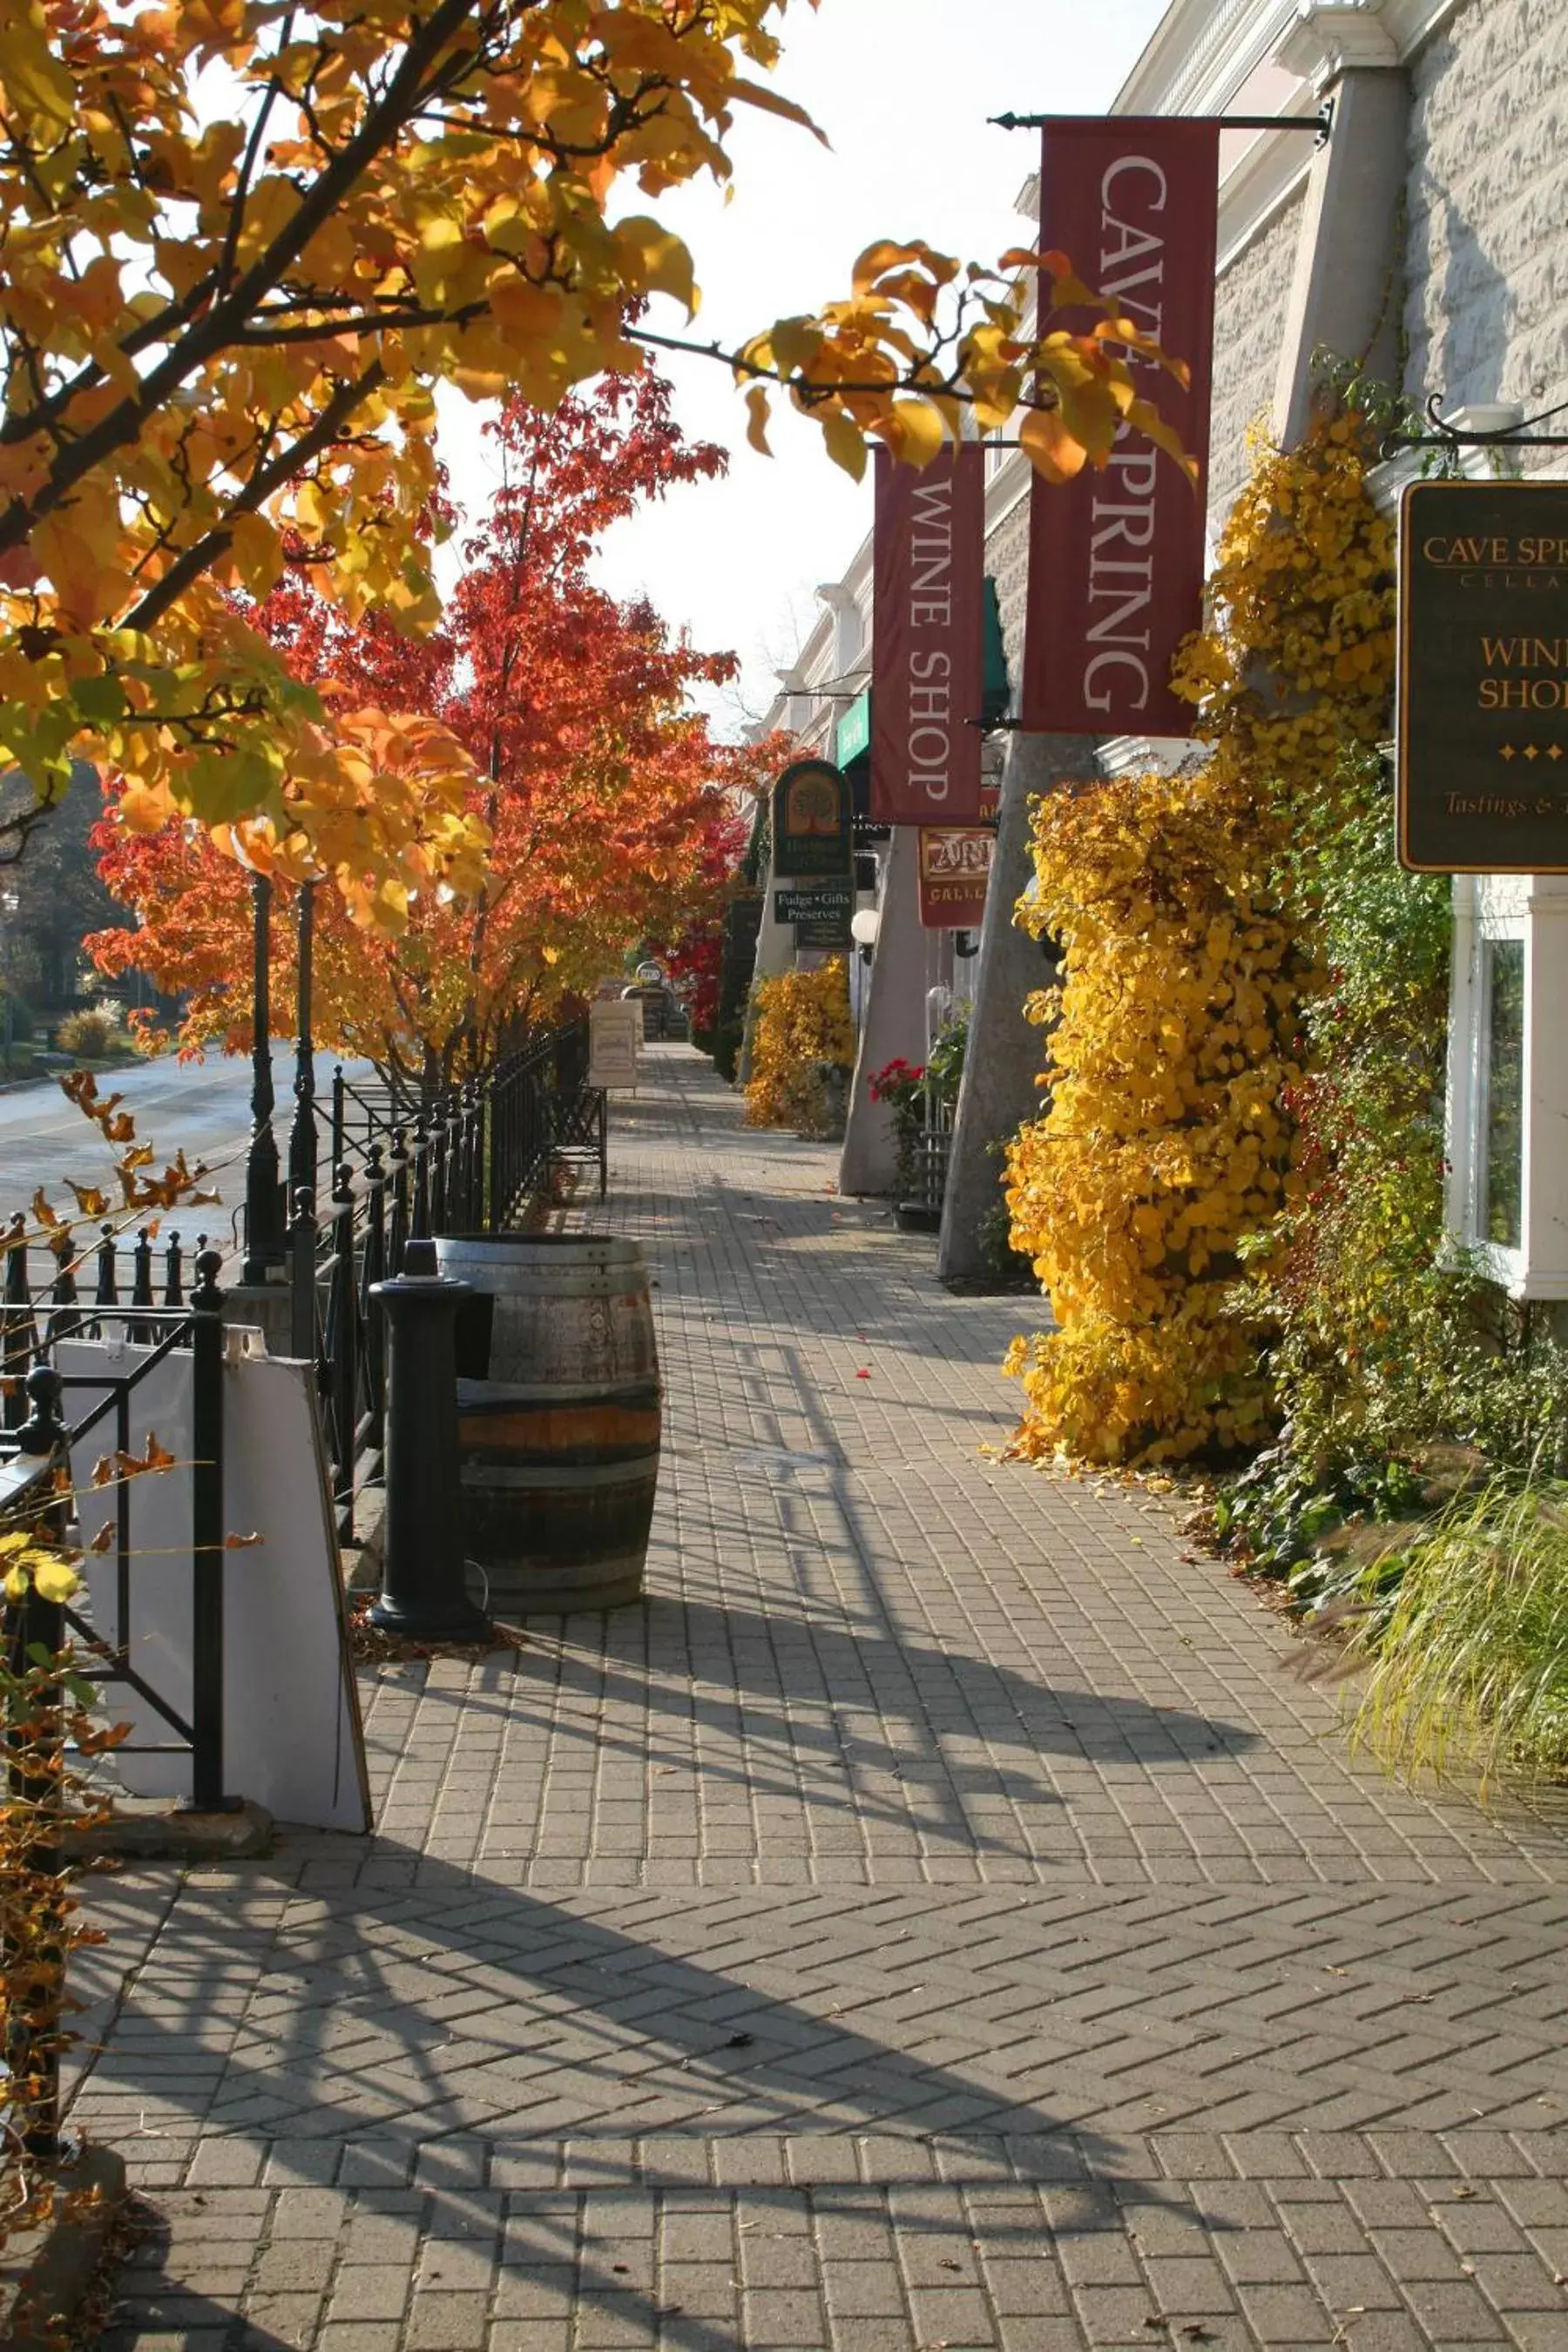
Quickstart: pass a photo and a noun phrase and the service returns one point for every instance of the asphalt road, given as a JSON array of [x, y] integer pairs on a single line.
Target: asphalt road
[[202, 1108]]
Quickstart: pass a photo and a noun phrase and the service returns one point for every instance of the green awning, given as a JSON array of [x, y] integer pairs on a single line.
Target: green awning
[[995, 692], [853, 734]]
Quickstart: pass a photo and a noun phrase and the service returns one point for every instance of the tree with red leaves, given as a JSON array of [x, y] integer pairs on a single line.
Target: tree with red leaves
[[610, 808]]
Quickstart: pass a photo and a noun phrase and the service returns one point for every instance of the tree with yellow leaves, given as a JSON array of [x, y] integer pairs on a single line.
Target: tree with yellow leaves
[[1168, 1147], [222, 329]]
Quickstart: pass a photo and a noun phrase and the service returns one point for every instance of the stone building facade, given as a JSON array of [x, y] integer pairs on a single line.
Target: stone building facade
[[1486, 240], [1426, 239]]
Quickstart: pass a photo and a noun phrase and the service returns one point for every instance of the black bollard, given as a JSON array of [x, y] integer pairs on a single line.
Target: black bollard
[[422, 1591]]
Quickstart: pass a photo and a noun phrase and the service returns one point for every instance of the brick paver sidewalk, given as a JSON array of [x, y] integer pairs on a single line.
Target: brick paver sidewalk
[[935, 1919]]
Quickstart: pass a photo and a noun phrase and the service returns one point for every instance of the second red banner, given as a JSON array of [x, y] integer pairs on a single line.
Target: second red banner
[[928, 663]]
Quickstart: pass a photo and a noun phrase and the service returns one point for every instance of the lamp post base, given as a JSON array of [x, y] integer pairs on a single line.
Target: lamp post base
[[464, 1624]]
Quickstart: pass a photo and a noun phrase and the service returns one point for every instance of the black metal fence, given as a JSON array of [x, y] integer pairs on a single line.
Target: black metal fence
[[38, 1441], [36, 1455], [473, 1159]]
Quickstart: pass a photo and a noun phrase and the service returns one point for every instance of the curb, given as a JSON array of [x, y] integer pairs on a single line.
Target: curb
[[174, 1836]]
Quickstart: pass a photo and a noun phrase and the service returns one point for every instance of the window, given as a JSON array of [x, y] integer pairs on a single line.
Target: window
[[1502, 1205]]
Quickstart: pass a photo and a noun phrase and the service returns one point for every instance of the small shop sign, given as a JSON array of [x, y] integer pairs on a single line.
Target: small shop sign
[[615, 1033], [820, 913], [955, 874], [811, 822], [815, 905], [1482, 725]]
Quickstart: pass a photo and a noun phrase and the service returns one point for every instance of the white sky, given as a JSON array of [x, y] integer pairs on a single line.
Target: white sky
[[903, 89]]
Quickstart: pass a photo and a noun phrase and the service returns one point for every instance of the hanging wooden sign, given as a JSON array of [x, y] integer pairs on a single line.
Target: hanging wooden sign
[[817, 903], [811, 822], [955, 874], [1482, 700]]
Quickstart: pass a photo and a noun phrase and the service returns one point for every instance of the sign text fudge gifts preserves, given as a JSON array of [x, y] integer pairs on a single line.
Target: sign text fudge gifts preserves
[[1116, 557], [928, 644], [1482, 700]]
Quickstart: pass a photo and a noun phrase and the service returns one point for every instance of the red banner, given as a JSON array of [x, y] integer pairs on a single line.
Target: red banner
[[928, 662], [954, 874], [1116, 559]]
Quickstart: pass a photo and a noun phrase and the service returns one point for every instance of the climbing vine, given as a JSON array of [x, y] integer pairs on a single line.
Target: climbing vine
[[1188, 923], [49, 1730]]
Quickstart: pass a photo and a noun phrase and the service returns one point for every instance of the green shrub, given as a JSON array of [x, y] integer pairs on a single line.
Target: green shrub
[[1467, 1634]]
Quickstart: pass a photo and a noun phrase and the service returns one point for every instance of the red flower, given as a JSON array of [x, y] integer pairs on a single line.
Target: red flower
[[896, 1080]]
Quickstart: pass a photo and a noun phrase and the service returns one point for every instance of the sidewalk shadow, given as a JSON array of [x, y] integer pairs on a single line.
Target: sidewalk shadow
[[663, 2050], [797, 1677], [657, 2043], [869, 1671]]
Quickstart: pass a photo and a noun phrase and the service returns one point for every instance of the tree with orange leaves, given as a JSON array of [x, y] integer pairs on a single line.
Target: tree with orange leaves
[[221, 332], [606, 801]]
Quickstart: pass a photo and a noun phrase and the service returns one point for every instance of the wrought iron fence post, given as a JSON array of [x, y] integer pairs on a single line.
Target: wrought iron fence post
[[65, 1316], [372, 1274], [440, 1137], [303, 1133], [106, 1289], [500, 1147], [263, 1191], [398, 1234], [538, 1083], [141, 1334], [174, 1274], [207, 1795], [419, 1223], [342, 1352], [340, 1112], [19, 1328], [481, 1106], [302, 1331]]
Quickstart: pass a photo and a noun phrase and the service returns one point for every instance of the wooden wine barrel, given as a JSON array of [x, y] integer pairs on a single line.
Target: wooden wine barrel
[[558, 1417]]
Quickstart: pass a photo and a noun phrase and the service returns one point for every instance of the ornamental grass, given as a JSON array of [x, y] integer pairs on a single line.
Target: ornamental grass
[[1467, 1640]]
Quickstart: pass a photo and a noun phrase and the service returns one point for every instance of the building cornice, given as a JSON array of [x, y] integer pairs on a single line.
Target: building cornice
[[1328, 38], [1203, 50]]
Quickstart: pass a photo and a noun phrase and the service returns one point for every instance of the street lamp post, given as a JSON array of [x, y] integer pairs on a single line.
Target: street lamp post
[[263, 1188]]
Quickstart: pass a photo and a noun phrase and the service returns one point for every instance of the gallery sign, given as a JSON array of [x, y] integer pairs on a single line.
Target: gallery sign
[[811, 822], [1116, 558], [928, 640], [1482, 700], [954, 874]]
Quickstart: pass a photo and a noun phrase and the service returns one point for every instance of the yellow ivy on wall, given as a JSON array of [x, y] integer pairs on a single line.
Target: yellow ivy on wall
[[1173, 1038], [801, 1024]]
